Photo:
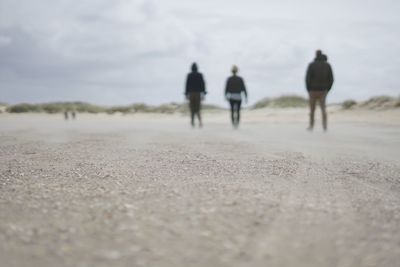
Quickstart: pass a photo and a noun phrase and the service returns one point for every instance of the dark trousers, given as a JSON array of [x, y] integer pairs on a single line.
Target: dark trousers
[[235, 111], [195, 106], [320, 97]]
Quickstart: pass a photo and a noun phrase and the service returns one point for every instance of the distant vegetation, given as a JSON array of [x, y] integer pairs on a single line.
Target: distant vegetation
[[292, 101], [381, 102], [288, 101], [348, 104], [374, 103], [82, 107], [56, 107]]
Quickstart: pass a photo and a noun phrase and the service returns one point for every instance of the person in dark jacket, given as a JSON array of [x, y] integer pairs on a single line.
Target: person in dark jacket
[[233, 93], [319, 81], [195, 91]]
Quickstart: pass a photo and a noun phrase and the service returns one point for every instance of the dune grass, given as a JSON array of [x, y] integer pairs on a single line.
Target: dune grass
[[56, 107], [286, 101], [349, 104], [379, 103], [82, 107]]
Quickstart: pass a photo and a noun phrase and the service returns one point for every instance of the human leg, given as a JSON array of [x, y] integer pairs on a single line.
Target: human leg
[[238, 106], [195, 106], [312, 103], [232, 103], [191, 111], [199, 118], [192, 118], [322, 102]]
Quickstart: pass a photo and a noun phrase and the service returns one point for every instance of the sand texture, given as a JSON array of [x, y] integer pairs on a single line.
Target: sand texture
[[148, 190]]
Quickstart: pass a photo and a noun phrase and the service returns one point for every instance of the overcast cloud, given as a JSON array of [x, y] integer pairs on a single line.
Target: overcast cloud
[[126, 51]]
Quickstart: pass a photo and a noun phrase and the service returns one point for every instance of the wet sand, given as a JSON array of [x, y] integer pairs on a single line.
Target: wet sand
[[148, 190]]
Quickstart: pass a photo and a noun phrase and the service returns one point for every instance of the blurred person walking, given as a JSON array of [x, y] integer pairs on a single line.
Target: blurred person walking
[[319, 81], [233, 93], [195, 90]]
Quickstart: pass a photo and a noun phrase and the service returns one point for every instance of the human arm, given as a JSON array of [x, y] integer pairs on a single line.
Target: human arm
[[203, 85], [244, 90], [187, 87], [308, 77], [330, 77], [226, 89]]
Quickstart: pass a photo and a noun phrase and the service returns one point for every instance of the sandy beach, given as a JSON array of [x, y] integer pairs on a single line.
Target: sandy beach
[[148, 190]]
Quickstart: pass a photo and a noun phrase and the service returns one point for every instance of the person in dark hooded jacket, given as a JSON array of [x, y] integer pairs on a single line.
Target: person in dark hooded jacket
[[195, 90], [319, 81]]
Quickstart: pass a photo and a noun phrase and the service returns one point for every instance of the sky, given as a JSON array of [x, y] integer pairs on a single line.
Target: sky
[[128, 51]]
